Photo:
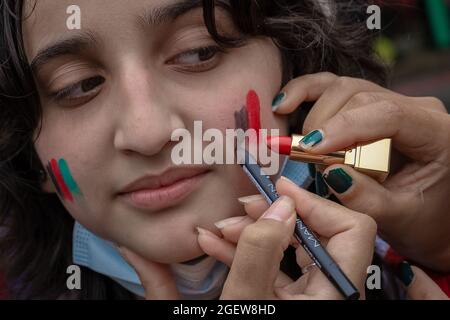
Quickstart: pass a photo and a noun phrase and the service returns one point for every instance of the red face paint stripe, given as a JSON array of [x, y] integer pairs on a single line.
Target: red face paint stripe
[[253, 108], [64, 190], [52, 176]]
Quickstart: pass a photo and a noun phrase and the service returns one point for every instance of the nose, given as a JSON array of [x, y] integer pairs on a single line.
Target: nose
[[145, 119]]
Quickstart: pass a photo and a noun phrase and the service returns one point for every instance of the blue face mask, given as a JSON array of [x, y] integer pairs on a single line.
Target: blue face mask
[[200, 280]]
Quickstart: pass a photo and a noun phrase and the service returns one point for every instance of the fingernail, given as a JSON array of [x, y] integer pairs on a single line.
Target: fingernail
[[228, 222], [278, 100], [204, 232], [249, 199], [321, 187], [281, 210], [406, 274], [288, 180], [338, 180], [311, 139], [312, 170]]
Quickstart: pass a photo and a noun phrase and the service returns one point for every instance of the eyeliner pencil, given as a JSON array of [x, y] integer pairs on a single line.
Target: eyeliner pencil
[[307, 239]]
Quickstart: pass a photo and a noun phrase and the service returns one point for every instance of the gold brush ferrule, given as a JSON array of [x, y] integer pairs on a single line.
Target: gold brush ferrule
[[372, 158]]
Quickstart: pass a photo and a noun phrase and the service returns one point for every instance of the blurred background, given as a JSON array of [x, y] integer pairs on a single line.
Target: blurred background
[[415, 41]]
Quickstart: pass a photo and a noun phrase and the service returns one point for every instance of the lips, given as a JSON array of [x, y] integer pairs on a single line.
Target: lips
[[165, 190]]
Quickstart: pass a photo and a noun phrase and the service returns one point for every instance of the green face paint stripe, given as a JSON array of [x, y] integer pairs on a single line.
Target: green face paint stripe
[[71, 184]]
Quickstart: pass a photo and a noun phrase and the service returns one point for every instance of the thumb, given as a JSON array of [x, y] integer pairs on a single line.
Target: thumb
[[363, 194], [156, 278], [260, 249], [419, 285]]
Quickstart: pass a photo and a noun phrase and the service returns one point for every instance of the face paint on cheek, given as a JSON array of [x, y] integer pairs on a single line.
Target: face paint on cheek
[[253, 110], [52, 176], [249, 117], [65, 185]]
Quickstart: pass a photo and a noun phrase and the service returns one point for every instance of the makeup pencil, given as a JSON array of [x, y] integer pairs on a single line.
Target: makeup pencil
[[307, 239]]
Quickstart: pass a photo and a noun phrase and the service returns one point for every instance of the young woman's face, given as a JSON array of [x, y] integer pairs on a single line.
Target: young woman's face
[[113, 92]]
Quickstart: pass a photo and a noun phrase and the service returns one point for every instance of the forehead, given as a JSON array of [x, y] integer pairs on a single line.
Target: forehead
[[45, 21]]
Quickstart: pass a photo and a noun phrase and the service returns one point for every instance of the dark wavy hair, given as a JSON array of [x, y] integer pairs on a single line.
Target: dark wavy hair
[[36, 230]]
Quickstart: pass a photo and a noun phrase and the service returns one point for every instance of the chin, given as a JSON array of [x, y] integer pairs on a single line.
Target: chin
[[175, 251]]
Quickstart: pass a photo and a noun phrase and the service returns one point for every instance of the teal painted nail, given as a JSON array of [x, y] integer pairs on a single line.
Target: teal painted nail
[[321, 187], [338, 180], [313, 138], [278, 100], [406, 273]]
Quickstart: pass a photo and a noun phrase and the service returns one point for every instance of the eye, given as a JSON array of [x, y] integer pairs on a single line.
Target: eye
[[80, 92], [200, 59]]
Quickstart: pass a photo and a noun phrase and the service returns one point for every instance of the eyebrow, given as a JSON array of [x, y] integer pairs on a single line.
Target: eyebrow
[[73, 45], [157, 16], [87, 39]]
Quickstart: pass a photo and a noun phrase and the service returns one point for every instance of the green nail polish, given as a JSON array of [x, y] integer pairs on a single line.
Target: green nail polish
[[313, 138], [339, 180], [278, 100], [321, 187], [406, 273]]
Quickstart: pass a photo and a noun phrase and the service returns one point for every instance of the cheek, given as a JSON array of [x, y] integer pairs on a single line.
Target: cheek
[[70, 166], [63, 180]]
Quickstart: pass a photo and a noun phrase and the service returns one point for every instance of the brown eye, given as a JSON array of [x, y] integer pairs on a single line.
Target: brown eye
[[80, 92], [205, 54], [196, 56], [91, 83]]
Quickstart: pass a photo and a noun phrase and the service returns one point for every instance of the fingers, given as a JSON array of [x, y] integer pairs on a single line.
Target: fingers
[[302, 257], [329, 91], [431, 104], [254, 205], [359, 192], [306, 88], [324, 217], [259, 252], [344, 92], [419, 285], [350, 110], [351, 236], [365, 98], [224, 251], [156, 278], [416, 132], [232, 228], [216, 247]]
